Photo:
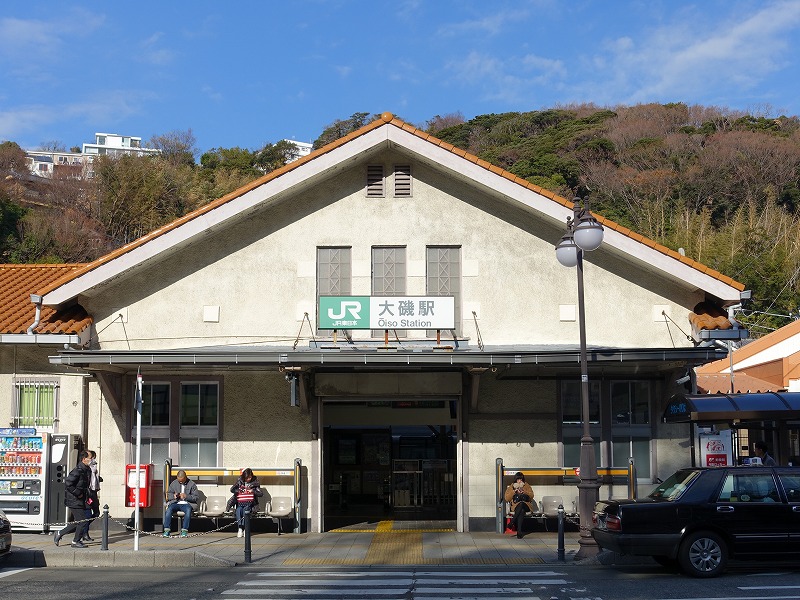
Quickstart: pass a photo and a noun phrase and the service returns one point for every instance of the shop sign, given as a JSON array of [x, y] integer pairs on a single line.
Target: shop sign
[[386, 312], [716, 449]]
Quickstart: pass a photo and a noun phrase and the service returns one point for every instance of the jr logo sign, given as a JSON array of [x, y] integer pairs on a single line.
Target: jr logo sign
[[386, 312], [344, 312], [347, 306]]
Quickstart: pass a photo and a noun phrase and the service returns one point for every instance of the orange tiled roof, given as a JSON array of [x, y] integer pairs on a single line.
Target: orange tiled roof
[[386, 118], [17, 312], [714, 383]]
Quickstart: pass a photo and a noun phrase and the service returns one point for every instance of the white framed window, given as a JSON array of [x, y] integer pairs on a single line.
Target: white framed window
[[36, 403], [619, 423], [180, 420]]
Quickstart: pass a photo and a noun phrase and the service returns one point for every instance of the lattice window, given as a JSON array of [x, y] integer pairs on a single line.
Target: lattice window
[[388, 276], [444, 277], [333, 274]]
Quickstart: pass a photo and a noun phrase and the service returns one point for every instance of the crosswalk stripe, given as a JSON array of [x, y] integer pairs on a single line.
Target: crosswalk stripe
[[394, 585]]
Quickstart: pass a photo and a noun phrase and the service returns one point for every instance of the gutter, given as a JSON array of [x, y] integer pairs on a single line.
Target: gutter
[[37, 300], [42, 339]]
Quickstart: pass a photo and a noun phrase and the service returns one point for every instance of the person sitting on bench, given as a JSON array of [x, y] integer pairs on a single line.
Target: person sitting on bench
[[520, 494], [181, 496]]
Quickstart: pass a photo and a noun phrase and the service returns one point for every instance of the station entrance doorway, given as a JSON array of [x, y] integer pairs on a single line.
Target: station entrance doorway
[[389, 472]]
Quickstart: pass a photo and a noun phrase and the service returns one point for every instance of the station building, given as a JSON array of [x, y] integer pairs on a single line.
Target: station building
[[219, 314]]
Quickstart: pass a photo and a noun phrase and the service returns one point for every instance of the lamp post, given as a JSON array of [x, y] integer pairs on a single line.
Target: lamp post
[[583, 234]]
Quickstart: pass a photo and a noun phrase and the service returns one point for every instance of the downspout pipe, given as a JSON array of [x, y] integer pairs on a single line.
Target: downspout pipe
[[37, 300]]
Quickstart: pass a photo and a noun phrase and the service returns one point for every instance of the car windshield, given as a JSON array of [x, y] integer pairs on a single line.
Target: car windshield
[[673, 487]]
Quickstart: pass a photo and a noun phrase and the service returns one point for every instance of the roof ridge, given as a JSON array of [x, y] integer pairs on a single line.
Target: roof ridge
[[384, 119]]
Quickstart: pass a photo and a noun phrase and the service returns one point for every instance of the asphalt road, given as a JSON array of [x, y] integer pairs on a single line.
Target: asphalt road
[[550, 582]]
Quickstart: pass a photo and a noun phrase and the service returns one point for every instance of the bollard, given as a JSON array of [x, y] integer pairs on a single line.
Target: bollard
[[561, 533], [247, 553], [104, 528]]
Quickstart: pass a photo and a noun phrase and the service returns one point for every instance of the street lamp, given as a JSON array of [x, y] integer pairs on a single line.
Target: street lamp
[[584, 234]]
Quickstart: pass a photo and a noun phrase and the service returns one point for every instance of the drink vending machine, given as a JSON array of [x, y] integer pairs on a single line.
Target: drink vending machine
[[30, 477]]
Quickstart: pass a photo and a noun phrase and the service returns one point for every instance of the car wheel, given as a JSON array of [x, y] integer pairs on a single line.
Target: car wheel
[[703, 554], [667, 562]]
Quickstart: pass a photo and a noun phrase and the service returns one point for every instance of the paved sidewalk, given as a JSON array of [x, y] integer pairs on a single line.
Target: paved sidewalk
[[386, 543]]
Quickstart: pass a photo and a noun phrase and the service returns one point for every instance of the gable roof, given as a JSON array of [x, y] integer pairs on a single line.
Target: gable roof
[[777, 345], [771, 362], [387, 131], [17, 312]]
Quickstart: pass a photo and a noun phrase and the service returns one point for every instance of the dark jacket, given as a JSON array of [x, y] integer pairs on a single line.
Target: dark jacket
[[76, 487], [253, 484], [189, 488]]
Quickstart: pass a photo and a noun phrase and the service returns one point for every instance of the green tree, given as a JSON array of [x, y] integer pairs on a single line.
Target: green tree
[[340, 128], [275, 156]]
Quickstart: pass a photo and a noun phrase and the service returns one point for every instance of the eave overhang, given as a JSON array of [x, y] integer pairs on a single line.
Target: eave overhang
[[275, 358]]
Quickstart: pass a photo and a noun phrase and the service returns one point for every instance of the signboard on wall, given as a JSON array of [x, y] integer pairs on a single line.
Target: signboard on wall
[[716, 449], [386, 312]]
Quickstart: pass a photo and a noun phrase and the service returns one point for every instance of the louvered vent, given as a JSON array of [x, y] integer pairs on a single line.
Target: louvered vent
[[375, 181], [402, 180]]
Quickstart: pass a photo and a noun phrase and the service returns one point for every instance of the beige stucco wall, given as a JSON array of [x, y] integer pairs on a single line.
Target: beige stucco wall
[[30, 362], [262, 272]]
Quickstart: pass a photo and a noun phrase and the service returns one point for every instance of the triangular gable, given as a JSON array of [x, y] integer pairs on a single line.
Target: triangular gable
[[385, 132]]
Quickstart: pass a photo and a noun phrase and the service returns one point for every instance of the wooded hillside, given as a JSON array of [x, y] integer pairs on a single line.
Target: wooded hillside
[[722, 185]]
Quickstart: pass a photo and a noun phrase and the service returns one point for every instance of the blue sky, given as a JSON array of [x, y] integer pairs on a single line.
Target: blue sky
[[251, 72]]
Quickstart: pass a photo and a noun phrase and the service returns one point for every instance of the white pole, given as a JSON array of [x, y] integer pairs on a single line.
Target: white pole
[[138, 480]]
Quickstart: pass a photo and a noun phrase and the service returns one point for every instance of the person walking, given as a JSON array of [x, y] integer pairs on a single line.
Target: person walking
[[247, 490], [78, 499], [94, 488]]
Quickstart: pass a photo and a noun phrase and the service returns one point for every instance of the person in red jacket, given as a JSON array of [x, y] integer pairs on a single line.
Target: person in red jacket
[[247, 491]]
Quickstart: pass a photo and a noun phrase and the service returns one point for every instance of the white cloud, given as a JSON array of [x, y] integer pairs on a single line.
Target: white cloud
[[493, 24], [511, 81], [343, 70], [702, 54], [37, 40], [211, 93], [152, 53], [21, 120]]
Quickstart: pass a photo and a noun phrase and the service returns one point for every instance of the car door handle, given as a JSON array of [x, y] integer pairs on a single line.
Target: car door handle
[[725, 509], [796, 509]]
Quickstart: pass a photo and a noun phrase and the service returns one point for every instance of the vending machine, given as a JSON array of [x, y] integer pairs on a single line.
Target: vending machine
[[63, 457], [28, 480]]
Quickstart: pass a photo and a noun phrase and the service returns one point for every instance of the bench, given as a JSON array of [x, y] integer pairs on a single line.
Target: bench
[[281, 500], [548, 476]]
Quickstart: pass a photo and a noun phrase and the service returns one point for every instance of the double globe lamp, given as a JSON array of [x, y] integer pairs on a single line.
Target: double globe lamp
[[583, 234]]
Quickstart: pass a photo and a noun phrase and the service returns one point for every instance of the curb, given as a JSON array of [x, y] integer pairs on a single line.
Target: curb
[[23, 558]]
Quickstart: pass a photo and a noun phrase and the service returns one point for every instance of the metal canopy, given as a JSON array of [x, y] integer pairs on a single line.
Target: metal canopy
[[716, 408], [376, 357]]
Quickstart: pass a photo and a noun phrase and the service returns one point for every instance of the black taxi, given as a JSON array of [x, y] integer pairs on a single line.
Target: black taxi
[[700, 517]]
